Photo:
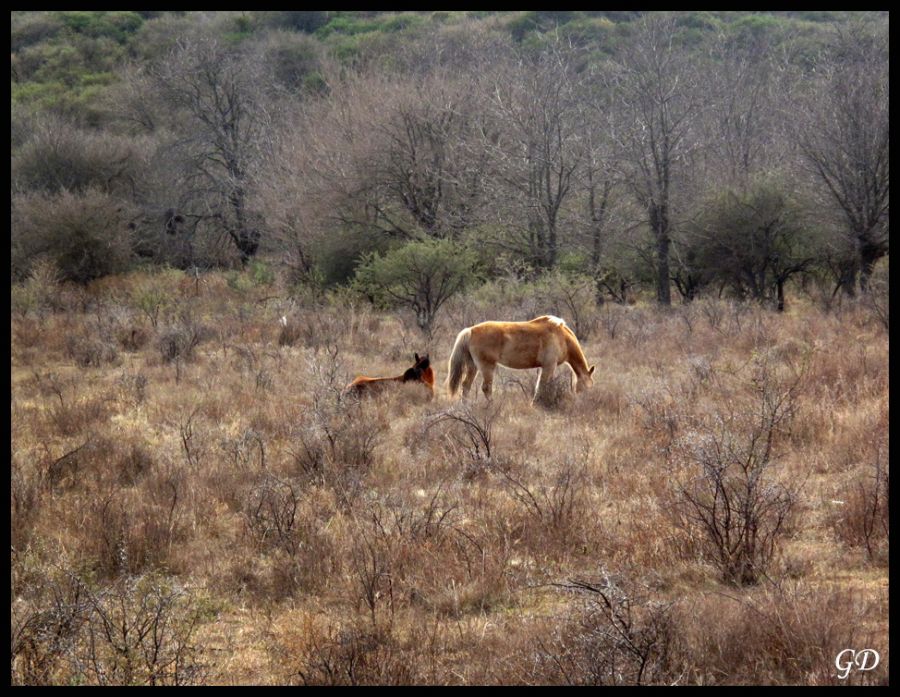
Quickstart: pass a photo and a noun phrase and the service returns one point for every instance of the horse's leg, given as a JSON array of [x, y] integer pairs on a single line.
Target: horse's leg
[[546, 376], [471, 372], [487, 377]]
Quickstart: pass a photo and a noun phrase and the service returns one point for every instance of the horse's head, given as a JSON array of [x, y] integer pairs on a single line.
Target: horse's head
[[585, 380], [420, 370]]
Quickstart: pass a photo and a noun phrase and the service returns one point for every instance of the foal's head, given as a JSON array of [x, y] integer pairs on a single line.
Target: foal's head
[[420, 372]]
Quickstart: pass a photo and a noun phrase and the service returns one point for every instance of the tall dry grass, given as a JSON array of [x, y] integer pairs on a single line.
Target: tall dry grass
[[182, 461]]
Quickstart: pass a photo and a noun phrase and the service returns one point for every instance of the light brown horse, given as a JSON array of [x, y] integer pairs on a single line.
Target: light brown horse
[[420, 372], [544, 342]]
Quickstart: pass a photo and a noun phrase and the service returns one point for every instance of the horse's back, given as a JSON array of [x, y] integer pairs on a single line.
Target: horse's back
[[539, 325], [548, 319], [362, 385], [519, 344]]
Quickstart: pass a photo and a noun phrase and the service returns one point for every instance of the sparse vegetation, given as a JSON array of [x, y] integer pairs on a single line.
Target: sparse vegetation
[[220, 218], [398, 540]]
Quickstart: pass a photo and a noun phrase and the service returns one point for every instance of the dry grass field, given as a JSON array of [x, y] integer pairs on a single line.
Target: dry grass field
[[192, 503]]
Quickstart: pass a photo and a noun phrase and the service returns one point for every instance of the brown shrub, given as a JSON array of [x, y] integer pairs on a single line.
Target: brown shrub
[[617, 633], [314, 328], [724, 463], [27, 333], [466, 432], [418, 537], [47, 616], [282, 519], [291, 332], [132, 388], [557, 393], [335, 447], [786, 635], [553, 516], [355, 657], [89, 351], [179, 341], [135, 631], [141, 630], [61, 157], [132, 338], [133, 530], [73, 417], [862, 519], [83, 234], [40, 292], [135, 463], [24, 504]]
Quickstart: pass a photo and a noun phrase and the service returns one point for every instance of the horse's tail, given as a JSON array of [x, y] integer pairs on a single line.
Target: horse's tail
[[459, 358]]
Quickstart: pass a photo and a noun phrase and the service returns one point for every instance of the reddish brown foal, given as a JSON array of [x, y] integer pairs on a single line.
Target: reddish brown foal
[[421, 372]]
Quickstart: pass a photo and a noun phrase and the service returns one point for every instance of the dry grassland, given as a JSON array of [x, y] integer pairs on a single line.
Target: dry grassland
[[192, 503]]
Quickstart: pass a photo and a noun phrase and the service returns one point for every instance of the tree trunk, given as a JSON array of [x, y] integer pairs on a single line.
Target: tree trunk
[[551, 245], [663, 291], [869, 255], [847, 281], [598, 217], [660, 223]]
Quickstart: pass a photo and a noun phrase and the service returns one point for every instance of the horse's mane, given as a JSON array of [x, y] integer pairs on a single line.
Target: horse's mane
[[571, 340], [573, 344]]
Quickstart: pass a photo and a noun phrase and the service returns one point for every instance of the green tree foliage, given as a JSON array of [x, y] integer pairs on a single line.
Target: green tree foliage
[[421, 276], [537, 21], [115, 25], [305, 21], [27, 28], [752, 241], [64, 61]]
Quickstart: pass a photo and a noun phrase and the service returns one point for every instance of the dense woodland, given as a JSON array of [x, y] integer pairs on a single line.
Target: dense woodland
[[732, 153], [219, 219]]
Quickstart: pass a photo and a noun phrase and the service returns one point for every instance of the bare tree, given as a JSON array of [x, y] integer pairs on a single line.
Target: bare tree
[[729, 493], [657, 85], [426, 167], [381, 157], [599, 186], [217, 112], [535, 103], [844, 138], [742, 137], [741, 116]]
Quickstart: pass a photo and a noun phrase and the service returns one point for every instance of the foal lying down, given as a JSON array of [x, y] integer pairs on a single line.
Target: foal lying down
[[420, 372]]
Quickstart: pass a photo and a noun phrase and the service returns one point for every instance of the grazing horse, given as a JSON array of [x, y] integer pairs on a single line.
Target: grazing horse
[[420, 372], [544, 342]]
